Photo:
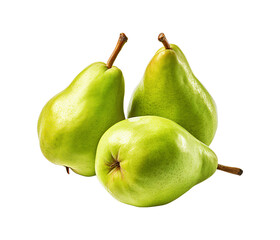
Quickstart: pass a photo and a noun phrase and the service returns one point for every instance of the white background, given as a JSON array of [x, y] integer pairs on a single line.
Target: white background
[[233, 48]]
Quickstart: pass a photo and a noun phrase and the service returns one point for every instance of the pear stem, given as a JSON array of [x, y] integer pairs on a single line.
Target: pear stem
[[67, 170], [122, 40], [233, 170], [162, 38]]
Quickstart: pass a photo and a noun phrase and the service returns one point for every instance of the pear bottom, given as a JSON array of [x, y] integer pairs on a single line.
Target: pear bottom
[[149, 161]]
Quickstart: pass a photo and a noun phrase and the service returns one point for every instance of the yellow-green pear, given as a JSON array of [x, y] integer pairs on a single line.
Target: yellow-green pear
[[72, 122], [149, 161], [170, 89]]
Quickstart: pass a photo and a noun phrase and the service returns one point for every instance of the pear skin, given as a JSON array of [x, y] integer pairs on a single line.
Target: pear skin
[[169, 89], [72, 122], [149, 161]]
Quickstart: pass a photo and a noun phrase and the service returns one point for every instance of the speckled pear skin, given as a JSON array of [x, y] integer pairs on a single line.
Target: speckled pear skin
[[72, 122], [169, 89], [149, 161]]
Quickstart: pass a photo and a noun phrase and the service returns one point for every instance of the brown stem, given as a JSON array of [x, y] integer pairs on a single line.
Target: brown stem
[[233, 170], [67, 170], [122, 40], [162, 38]]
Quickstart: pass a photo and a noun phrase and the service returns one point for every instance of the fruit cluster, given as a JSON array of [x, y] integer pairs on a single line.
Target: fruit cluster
[[154, 156]]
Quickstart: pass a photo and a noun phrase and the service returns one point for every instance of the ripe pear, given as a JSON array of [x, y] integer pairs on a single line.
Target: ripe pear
[[169, 89], [72, 122], [149, 161]]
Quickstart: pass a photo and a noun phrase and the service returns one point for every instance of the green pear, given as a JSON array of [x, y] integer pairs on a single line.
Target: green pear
[[72, 122], [169, 89], [148, 161]]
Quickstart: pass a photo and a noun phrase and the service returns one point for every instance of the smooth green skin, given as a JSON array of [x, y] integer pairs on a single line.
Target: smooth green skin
[[72, 122], [159, 161], [169, 89]]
